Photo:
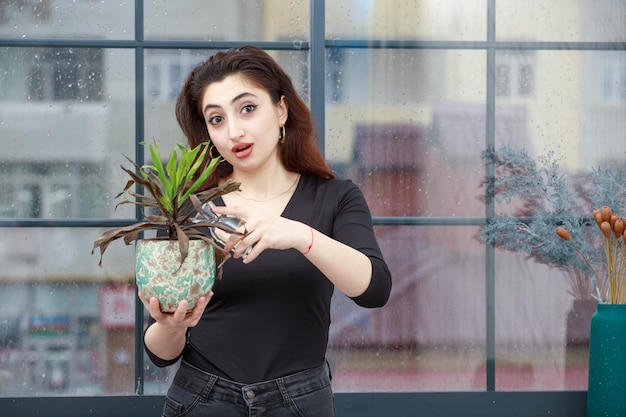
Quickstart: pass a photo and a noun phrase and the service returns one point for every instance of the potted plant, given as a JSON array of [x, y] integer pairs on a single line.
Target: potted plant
[[549, 199], [607, 343], [180, 262]]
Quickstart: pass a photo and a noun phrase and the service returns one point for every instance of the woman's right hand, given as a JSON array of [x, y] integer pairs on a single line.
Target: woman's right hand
[[167, 337], [179, 318]]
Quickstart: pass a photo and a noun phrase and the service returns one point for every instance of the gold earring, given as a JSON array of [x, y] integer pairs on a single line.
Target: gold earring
[[283, 135]]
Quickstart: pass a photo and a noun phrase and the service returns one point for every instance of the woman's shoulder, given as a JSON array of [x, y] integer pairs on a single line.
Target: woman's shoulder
[[331, 184], [335, 192]]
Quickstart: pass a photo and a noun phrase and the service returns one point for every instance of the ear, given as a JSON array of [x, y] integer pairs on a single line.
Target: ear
[[282, 109]]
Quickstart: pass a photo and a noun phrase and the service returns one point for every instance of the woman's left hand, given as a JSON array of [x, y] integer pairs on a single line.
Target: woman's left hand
[[263, 231], [351, 275]]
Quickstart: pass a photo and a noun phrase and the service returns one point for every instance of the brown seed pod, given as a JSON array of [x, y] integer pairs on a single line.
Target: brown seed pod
[[618, 228], [606, 229], [563, 234], [597, 216], [606, 213], [614, 218]]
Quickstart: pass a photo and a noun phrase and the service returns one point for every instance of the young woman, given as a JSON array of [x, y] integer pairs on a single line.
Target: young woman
[[257, 344]]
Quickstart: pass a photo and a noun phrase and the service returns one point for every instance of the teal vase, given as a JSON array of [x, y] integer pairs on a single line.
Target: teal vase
[[606, 395]]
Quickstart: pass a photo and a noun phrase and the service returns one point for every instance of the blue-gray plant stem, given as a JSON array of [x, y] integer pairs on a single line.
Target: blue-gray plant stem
[[595, 278]]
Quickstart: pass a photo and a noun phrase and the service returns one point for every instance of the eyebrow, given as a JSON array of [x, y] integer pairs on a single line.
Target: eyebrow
[[238, 97]]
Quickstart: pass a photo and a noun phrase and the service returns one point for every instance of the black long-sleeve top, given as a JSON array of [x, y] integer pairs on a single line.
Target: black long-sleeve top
[[270, 318]]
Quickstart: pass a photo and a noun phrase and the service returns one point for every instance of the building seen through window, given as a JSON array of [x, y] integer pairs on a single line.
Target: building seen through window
[[514, 74], [66, 74], [50, 190]]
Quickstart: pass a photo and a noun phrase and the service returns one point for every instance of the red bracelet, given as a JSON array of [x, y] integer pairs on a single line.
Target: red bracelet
[[310, 244]]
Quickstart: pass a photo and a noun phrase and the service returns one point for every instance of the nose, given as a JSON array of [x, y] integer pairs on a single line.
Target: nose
[[235, 129]]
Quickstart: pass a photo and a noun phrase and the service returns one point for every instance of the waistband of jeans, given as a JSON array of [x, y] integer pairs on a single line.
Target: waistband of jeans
[[309, 376]]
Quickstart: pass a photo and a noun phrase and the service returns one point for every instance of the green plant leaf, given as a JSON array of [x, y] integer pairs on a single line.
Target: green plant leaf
[[168, 188]]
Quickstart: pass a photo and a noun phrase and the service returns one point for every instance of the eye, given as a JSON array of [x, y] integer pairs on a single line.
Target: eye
[[248, 108], [214, 120]]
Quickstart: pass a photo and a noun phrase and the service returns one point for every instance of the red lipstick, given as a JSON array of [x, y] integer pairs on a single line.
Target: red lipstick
[[242, 150]]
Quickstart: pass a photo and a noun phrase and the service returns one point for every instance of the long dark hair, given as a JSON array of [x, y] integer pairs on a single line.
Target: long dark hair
[[298, 153]]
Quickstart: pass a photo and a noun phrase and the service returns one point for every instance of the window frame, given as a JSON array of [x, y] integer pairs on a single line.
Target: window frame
[[486, 403], [436, 404]]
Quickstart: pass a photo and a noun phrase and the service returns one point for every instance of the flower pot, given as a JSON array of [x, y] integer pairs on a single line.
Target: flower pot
[[606, 395], [160, 274]]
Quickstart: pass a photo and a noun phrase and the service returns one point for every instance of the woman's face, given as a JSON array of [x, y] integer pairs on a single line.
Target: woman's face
[[243, 122]]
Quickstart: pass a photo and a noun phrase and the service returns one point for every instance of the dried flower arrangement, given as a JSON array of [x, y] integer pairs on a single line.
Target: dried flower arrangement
[[612, 289], [546, 197]]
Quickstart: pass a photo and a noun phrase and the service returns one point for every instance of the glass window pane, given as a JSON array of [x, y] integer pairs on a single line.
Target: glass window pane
[[166, 71], [68, 114], [561, 20], [568, 159], [407, 129], [54, 74], [532, 304], [54, 189], [574, 116], [407, 20], [66, 325], [67, 19], [227, 20], [431, 334]]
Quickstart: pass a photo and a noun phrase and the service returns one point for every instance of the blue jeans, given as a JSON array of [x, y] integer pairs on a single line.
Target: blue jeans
[[196, 393]]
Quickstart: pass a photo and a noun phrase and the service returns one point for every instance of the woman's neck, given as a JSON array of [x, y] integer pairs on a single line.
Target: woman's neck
[[265, 186]]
